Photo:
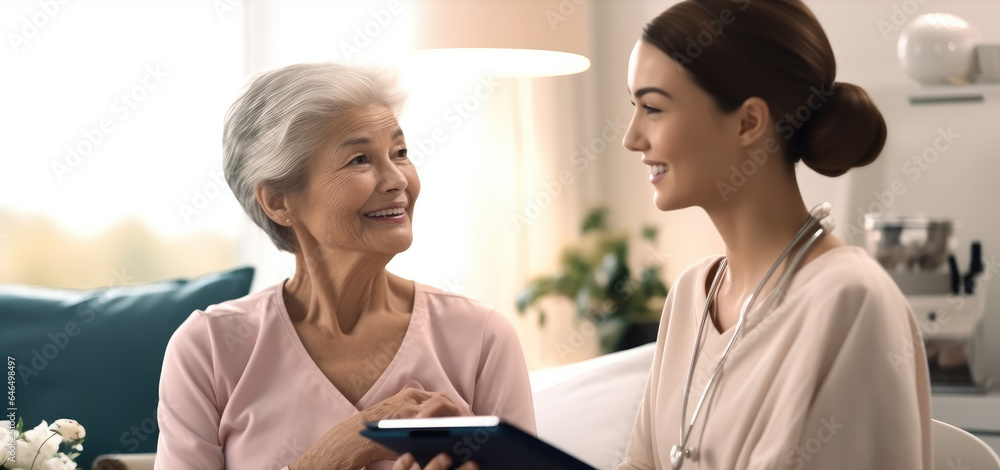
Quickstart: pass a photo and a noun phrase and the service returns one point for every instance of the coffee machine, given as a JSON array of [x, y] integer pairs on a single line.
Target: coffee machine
[[918, 253]]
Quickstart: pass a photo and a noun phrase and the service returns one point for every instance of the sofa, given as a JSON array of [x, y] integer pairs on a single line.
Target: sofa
[[587, 409], [95, 355]]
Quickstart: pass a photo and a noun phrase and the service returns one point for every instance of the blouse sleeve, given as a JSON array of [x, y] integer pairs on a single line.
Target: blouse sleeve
[[502, 387], [871, 407], [639, 453], [188, 410], [872, 410]]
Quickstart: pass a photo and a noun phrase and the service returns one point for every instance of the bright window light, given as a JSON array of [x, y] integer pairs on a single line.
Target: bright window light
[[505, 62], [113, 111]]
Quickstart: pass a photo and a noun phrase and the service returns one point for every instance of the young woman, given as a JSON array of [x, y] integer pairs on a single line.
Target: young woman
[[826, 370]]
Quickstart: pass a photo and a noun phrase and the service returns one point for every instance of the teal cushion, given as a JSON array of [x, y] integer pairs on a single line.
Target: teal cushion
[[95, 355]]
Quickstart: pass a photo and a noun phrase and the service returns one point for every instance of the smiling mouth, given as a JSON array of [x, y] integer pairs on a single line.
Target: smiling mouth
[[657, 169], [386, 213]]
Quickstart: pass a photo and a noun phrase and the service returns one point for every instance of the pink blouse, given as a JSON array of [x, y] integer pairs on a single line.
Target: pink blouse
[[239, 391]]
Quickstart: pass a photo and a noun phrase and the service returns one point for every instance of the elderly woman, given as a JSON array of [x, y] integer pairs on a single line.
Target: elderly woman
[[287, 376]]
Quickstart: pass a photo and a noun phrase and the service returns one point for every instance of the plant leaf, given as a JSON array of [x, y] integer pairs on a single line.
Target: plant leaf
[[524, 298], [530, 293], [583, 299], [652, 286], [595, 220], [616, 277], [649, 232]]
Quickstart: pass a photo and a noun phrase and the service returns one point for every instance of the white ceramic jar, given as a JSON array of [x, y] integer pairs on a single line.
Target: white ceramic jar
[[938, 49]]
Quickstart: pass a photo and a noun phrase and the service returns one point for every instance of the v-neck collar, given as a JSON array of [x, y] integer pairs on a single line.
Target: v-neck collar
[[417, 321], [713, 331]]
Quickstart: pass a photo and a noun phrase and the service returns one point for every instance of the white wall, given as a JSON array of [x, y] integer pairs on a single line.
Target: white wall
[[532, 129], [960, 185]]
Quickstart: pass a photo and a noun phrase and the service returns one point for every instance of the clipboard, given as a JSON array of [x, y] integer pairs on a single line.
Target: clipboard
[[487, 440]]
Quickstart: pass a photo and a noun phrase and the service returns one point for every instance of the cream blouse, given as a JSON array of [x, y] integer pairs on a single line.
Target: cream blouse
[[833, 377]]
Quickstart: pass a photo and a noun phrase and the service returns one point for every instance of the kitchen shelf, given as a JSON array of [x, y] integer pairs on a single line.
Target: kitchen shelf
[[973, 93]]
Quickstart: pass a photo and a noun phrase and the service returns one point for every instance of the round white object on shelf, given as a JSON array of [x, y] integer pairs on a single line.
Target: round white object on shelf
[[938, 49]]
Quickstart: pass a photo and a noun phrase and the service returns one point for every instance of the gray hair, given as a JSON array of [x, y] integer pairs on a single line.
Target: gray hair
[[282, 117]]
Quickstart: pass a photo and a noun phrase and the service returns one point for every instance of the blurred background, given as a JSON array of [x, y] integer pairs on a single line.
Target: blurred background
[[110, 162]]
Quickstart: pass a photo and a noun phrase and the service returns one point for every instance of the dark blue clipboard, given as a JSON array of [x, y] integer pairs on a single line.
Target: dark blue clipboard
[[486, 440]]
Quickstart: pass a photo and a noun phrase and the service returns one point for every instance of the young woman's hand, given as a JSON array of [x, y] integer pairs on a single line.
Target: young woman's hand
[[440, 462]]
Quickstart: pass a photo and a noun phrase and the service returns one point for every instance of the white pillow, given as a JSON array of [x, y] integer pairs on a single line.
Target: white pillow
[[587, 409]]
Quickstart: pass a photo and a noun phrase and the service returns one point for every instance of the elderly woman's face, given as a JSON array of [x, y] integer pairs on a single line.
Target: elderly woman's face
[[361, 187]]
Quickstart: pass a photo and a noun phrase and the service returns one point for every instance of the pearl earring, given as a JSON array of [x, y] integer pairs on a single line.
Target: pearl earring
[[288, 221]]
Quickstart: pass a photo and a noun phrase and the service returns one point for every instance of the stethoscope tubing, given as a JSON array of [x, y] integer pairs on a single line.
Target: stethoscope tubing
[[816, 217]]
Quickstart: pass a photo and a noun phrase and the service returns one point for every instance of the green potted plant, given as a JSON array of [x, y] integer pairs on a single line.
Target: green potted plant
[[594, 275]]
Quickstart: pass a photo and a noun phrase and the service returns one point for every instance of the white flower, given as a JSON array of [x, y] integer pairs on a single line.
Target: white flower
[[69, 429], [4, 434], [50, 464], [40, 430], [37, 450], [62, 462], [67, 463], [39, 441], [24, 455]]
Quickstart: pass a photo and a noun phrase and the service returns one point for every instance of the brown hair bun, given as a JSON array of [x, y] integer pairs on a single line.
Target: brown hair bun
[[847, 132]]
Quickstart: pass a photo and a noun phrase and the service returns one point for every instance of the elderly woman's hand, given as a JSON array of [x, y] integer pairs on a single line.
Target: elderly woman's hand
[[413, 403], [440, 462], [343, 448]]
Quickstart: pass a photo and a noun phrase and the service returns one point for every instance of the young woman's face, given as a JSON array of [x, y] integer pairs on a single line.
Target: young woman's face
[[362, 187], [677, 128]]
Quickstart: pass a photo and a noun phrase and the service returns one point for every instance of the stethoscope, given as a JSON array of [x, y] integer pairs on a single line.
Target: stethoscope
[[811, 231]]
